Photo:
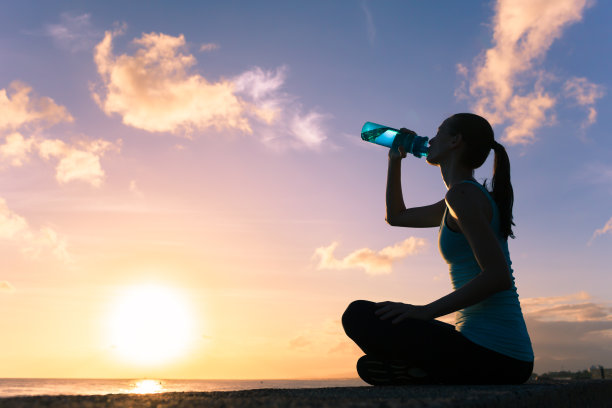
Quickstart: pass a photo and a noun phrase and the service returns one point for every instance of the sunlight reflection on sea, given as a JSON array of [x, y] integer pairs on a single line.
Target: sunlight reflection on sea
[[10, 387]]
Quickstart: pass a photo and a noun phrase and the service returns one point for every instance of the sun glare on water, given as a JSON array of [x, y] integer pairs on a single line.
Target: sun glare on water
[[151, 324], [147, 387]]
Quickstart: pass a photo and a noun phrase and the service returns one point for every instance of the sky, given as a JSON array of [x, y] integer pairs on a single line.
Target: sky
[[184, 192]]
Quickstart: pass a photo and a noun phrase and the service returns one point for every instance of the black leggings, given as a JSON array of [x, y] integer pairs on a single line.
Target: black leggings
[[445, 354]]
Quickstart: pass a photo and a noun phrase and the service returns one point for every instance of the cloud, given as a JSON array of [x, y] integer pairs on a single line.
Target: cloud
[[19, 107], [325, 338], [507, 83], [261, 85], [300, 342], [6, 287], [595, 172], [135, 190], [23, 112], [11, 224], [308, 130], [156, 90], [152, 89], [573, 312], [16, 149], [584, 93], [570, 345], [530, 303], [75, 162], [74, 33], [78, 162], [601, 231], [370, 27], [15, 228], [209, 47], [571, 331], [373, 262]]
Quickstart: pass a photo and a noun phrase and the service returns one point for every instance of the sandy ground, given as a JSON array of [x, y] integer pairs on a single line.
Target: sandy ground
[[558, 394]]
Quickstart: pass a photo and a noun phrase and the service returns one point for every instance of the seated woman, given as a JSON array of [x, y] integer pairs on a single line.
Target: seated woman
[[489, 343]]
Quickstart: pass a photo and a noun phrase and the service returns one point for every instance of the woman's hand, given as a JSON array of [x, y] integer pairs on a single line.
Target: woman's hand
[[402, 311], [399, 152]]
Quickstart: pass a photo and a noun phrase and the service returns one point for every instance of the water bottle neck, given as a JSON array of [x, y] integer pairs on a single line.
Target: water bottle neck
[[412, 144]]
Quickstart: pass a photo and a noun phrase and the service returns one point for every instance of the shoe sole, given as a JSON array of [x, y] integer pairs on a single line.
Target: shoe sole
[[378, 372]]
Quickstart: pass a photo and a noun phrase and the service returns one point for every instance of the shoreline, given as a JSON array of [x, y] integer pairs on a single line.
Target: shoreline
[[587, 393]]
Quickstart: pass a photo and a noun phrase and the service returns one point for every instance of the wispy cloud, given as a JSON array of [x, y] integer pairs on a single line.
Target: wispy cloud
[[209, 47], [326, 338], [576, 307], [570, 345], [370, 27], [135, 190], [531, 304], [584, 93], [6, 287], [595, 173], [373, 262], [307, 129], [21, 111], [74, 32], [606, 229], [572, 331], [260, 85], [157, 90], [15, 228], [507, 84]]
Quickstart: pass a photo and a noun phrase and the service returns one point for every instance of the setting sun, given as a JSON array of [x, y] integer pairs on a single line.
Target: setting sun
[[151, 324]]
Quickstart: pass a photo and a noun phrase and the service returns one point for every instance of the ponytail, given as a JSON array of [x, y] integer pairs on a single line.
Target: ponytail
[[478, 136], [503, 193]]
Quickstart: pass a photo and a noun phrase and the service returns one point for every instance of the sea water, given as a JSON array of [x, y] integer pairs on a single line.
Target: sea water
[[11, 387]]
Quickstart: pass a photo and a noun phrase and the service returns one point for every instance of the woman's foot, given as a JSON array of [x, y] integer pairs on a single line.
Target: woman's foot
[[389, 372]]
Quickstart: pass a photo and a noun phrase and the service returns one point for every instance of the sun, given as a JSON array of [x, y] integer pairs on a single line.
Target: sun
[[151, 324]]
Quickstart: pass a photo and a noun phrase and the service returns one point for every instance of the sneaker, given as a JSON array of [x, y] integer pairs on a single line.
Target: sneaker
[[388, 372]]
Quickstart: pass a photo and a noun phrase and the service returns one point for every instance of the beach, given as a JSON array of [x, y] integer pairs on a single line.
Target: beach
[[558, 394]]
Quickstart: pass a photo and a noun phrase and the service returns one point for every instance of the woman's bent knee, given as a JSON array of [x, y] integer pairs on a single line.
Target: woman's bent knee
[[354, 315]]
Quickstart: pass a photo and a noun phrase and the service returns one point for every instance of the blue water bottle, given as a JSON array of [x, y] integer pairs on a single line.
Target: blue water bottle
[[386, 136]]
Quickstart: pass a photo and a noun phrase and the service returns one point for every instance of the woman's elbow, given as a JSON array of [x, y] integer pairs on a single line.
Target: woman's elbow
[[391, 220], [500, 282], [504, 283]]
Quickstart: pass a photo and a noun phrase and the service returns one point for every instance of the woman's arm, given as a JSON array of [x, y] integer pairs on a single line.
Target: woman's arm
[[397, 213], [476, 227], [394, 195], [462, 201]]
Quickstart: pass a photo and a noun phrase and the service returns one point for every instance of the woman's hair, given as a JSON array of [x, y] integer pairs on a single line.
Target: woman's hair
[[478, 136]]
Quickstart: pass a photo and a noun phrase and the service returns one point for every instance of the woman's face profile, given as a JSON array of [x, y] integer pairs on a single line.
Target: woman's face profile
[[438, 145]]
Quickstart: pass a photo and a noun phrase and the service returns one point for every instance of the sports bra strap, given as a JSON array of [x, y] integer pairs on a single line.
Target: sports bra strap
[[487, 193]]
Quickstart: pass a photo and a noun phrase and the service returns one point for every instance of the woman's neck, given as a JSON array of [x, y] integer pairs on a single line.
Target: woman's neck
[[455, 173]]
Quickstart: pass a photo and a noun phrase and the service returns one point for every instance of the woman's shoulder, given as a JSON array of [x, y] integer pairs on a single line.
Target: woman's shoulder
[[467, 197], [465, 190]]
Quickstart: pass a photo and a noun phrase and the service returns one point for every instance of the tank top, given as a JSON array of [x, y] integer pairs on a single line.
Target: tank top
[[497, 322]]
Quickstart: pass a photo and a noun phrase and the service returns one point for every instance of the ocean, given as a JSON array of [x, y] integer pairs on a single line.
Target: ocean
[[10, 387]]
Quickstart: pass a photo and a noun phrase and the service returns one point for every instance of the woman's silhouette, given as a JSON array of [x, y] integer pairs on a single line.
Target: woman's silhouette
[[489, 344]]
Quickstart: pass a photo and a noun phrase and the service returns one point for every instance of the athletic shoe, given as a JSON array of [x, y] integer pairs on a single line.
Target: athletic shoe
[[388, 372]]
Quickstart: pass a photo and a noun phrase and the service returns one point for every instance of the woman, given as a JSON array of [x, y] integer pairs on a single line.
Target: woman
[[489, 344]]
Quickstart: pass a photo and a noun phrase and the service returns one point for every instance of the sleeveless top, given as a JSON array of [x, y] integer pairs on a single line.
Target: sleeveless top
[[497, 322]]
